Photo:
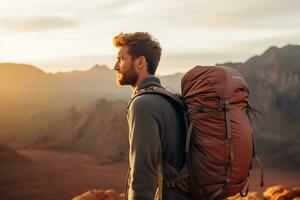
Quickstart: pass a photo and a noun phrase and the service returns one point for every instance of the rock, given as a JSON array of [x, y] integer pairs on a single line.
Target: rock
[[250, 196], [279, 192], [97, 194]]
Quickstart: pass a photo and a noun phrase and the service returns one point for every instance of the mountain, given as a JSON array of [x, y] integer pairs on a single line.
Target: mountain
[[9, 156], [25, 90], [99, 130], [21, 86], [274, 79]]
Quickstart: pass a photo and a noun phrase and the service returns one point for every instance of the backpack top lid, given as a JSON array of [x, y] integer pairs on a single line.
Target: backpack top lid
[[219, 80]]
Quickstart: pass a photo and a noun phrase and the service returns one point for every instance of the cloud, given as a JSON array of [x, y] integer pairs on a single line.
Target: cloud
[[114, 10], [259, 13], [32, 24], [220, 13], [114, 5], [259, 45]]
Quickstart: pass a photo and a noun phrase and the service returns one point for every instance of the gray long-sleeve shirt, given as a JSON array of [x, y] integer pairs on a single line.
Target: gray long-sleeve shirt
[[153, 123]]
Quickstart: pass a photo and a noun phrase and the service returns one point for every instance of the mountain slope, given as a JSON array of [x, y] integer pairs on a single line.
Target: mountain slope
[[9, 156], [99, 130]]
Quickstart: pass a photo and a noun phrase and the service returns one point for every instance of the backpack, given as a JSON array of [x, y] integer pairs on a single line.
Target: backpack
[[219, 140]]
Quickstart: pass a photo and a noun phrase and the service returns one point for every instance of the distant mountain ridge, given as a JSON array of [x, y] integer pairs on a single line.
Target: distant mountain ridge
[[26, 90], [274, 78]]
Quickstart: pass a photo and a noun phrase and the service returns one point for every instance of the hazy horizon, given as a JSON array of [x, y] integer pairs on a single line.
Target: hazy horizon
[[180, 63]]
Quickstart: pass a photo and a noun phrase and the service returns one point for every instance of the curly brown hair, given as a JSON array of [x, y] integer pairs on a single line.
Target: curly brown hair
[[141, 44]]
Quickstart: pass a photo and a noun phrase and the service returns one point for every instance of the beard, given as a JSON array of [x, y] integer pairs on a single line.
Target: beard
[[128, 77]]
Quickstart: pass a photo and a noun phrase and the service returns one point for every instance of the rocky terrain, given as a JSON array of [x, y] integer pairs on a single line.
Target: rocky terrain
[[277, 192]]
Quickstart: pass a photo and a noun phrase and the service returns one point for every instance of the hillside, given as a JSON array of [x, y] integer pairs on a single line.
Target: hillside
[[9, 157], [92, 130]]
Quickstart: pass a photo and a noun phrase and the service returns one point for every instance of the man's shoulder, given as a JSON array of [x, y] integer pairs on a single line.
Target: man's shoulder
[[150, 103], [147, 100]]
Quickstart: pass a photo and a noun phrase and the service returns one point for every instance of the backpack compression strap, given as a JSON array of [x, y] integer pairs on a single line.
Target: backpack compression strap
[[255, 112], [223, 106]]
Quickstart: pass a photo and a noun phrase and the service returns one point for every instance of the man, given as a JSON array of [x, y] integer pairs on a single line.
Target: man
[[155, 128]]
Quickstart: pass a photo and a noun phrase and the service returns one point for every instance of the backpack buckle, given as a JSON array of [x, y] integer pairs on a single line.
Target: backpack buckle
[[170, 183], [200, 109], [226, 107], [223, 106]]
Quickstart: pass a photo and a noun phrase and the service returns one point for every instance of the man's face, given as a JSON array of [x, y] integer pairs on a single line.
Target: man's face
[[125, 68]]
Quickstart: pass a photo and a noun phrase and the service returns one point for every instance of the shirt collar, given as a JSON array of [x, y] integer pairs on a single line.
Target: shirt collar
[[149, 81]]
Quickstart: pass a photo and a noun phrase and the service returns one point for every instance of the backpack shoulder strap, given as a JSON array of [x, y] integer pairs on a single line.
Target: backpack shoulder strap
[[174, 98]]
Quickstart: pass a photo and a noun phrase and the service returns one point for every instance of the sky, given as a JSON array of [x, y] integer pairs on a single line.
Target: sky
[[65, 35]]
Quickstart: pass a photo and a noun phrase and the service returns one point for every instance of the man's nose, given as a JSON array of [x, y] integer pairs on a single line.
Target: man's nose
[[116, 67]]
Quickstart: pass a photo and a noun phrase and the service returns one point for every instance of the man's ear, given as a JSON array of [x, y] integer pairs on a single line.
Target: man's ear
[[141, 62]]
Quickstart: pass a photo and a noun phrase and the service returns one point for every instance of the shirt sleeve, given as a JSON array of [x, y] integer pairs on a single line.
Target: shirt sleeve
[[144, 150]]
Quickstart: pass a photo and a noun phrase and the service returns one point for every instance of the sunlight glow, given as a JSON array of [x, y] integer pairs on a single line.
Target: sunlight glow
[[50, 33]]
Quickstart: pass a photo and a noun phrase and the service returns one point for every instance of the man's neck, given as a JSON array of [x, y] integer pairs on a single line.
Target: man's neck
[[139, 80]]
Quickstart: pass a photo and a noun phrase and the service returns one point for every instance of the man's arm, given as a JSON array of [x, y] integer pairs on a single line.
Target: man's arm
[[144, 128]]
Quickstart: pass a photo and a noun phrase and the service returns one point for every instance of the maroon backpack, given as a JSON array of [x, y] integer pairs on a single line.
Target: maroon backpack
[[219, 140]]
